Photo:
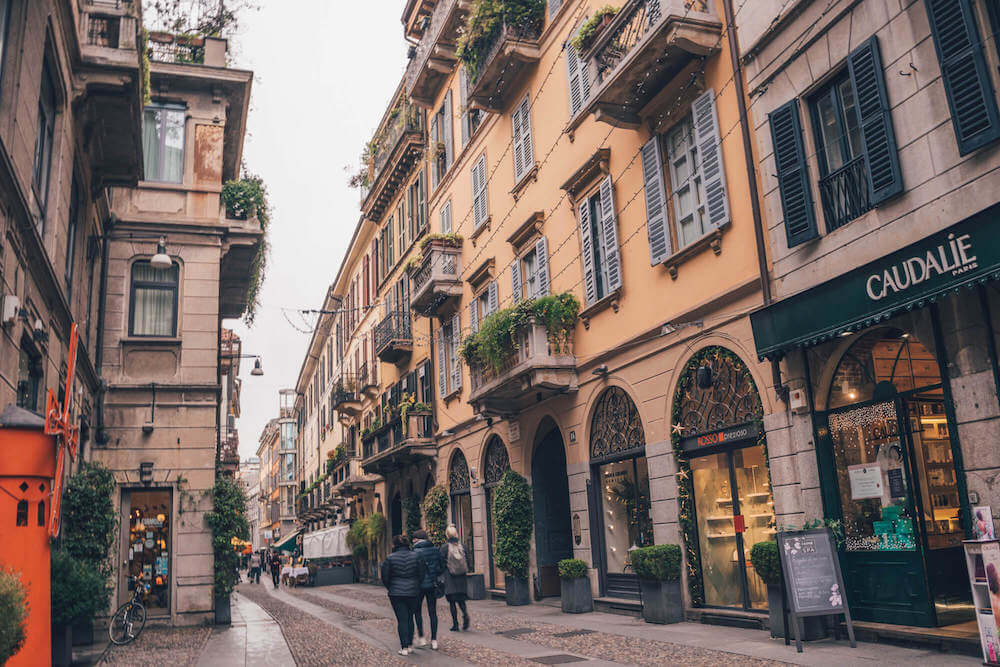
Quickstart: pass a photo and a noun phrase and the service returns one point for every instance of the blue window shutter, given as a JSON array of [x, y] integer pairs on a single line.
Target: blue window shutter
[[656, 214], [515, 279], [879, 140], [609, 235], [586, 241], [541, 267], [964, 72], [793, 174]]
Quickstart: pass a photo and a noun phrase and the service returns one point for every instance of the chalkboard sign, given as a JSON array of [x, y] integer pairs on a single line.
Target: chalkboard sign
[[812, 580]]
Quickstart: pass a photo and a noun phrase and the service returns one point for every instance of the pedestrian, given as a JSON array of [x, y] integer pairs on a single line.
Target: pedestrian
[[434, 564], [456, 571], [402, 573], [254, 568], [275, 566]]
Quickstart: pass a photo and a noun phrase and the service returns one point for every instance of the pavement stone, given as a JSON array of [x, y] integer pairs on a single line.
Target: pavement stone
[[253, 638]]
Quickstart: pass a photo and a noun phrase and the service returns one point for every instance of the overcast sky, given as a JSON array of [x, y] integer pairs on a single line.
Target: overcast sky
[[325, 70]]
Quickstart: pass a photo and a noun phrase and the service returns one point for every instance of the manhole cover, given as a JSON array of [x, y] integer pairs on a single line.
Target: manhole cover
[[557, 659], [573, 633], [516, 632]]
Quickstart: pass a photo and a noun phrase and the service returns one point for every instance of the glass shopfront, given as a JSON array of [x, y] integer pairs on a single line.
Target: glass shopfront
[[459, 487], [497, 463], [148, 548]]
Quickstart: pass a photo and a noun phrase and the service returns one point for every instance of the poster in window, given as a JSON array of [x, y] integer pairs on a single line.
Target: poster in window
[[866, 481], [982, 527]]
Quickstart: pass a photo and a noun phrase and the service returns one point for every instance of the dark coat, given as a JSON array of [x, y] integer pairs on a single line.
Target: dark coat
[[402, 573], [455, 585], [433, 563]]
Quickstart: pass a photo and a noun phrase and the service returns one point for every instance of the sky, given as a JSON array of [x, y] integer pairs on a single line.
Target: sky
[[324, 73]]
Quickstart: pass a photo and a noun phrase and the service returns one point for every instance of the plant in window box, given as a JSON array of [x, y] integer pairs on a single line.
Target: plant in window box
[[575, 587], [593, 27], [512, 507], [659, 570], [449, 240], [487, 21]]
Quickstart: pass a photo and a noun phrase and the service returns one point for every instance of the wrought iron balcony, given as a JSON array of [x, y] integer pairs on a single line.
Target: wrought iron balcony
[[368, 379], [845, 194], [539, 368], [436, 285], [399, 443], [393, 338], [399, 144], [345, 396], [434, 57], [646, 45], [498, 77]]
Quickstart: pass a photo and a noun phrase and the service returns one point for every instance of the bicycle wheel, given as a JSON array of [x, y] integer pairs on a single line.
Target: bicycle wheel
[[127, 623]]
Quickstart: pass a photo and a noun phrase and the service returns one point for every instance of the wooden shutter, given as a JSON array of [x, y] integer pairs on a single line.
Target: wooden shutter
[[474, 315], [713, 176], [656, 197], [446, 217], [589, 284], [434, 142], [480, 207], [964, 71], [442, 364], [554, 6], [541, 267], [517, 128], [793, 174], [609, 236], [456, 367], [515, 279], [449, 135], [579, 80], [878, 138], [421, 202], [463, 93], [493, 297], [524, 155]]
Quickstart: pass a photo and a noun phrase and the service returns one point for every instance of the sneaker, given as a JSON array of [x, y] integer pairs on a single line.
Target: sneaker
[[403, 651], [420, 642], [434, 644]]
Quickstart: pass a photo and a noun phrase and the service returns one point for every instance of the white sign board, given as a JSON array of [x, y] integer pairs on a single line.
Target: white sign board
[[866, 481]]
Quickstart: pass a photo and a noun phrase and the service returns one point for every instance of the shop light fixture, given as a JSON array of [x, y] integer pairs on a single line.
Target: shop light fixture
[[146, 472], [161, 260]]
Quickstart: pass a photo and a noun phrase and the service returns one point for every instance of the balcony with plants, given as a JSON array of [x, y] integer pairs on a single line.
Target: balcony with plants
[[523, 354], [394, 337], [390, 156], [433, 58], [401, 436], [368, 380], [345, 396], [435, 275], [247, 215], [499, 42], [633, 53]]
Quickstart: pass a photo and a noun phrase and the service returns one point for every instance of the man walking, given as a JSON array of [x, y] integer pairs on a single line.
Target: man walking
[[275, 566], [254, 568]]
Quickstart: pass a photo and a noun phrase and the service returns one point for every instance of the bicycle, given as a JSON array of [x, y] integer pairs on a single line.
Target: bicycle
[[132, 615]]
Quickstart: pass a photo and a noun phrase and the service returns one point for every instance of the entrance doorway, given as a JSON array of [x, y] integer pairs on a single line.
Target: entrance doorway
[[550, 496], [396, 512], [497, 462], [147, 548], [890, 473], [459, 488]]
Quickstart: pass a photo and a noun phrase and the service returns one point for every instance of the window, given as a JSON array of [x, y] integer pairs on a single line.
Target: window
[[579, 80], [289, 467], [446, 218], [418, 206], [72, 224], [449, 364], [524, 156], [685, 178], [4, 21], [599, 238], [45, 132], [480, 203], [471, 118], [29, 376], [484, 304], [163, 143], [442, 141], [530, 273], [154, 300]]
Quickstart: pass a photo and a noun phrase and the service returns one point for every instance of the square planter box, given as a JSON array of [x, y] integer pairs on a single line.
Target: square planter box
[[475, 586], [223, 615], [518, 591], [576, 596], [661, 601], [328, 576]]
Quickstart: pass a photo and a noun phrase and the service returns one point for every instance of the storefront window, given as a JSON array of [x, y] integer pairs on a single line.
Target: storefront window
[[459, 486], [149, 546], [627, 522]]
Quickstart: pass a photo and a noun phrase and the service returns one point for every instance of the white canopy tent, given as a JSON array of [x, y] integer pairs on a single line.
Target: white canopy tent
[[326, 543]]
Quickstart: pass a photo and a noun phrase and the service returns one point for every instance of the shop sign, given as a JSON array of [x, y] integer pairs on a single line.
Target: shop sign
[[749, 431]]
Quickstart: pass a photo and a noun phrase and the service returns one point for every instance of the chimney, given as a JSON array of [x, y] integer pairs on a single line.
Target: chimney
[[215, 51]]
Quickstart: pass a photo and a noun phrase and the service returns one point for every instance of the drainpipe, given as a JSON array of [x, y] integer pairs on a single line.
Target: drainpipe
[[748, 159], [100, 436]]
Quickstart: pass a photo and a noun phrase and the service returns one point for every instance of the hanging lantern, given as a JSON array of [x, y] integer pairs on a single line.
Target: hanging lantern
[[704, 377]]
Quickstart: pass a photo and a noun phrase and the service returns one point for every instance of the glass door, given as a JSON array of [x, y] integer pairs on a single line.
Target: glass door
[[148, 547], [757, 509]]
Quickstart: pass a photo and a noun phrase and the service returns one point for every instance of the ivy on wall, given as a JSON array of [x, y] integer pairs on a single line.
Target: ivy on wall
[[436, 513]]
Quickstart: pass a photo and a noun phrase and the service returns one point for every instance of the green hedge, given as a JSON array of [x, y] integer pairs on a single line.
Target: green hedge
[[660, 562], [485, 22], [13, 614], [227, 520], [436, 513], [79, 590], [766, 562], [512, 508], [572, 568]]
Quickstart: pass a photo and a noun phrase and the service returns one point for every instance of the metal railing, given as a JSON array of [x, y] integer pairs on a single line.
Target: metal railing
[[426, 46], [394, 327], [845, 194], [445, 262], [408, 119], [523, 32], [396, 433], [345, 388], [103, 31], [177, 53], [532, 341]]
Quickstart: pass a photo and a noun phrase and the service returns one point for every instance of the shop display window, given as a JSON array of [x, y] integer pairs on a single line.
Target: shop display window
[[627, 521], [149, 546]]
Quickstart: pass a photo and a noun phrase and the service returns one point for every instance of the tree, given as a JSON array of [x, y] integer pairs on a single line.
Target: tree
[[227, 520]]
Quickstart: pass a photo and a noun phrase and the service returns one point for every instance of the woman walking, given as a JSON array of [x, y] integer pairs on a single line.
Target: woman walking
[[402, 574], [434, 566], [455, 585]]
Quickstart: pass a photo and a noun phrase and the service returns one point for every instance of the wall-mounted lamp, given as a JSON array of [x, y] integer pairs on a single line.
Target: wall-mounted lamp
[[472, 475], [704, 377], [146, 472], [601, 370], [161, 260], [257, 370]]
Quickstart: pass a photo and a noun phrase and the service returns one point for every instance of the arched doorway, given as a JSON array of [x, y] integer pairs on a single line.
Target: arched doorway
[[619, 490], [888, 472], [726, 502], [459, 488], [550, 496], [496, 463], [396, 513]]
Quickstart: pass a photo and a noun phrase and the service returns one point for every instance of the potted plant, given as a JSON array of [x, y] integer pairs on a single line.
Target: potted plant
[[79, 592], [512, 507], [227, 520], [13, 614], [592, 28], [659, 570], [575, 587]]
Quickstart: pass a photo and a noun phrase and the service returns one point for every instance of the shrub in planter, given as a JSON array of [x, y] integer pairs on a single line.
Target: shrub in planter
[[512, 508], [79, 592], [227, 520], [435, 508], [411, 510], [575, 587], [13, 614], [659, 570]]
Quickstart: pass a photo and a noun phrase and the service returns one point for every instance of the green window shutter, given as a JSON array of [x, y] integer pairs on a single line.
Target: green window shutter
[[493, 297], [586, 241], [793, 174], [656, 214], [434, 143], [879, 140], [964, 71], [474, 316], [456, 366]]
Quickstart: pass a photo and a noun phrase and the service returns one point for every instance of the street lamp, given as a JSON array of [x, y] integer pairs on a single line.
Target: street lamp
[[161, 260], [257, 371]]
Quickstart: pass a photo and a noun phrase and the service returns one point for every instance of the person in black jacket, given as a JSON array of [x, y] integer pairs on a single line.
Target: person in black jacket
[[402, 574], [434, 564]]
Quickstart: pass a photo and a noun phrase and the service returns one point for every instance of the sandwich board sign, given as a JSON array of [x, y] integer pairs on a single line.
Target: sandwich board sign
[[812, 579]]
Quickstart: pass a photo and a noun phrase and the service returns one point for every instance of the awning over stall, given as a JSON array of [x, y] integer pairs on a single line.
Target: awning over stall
[[963, 255], [287, 543], [326, 543]]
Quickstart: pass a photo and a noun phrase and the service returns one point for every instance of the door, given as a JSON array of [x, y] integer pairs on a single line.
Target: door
[[396, 510], [461, 516], [550, 496], [497, 578], [866, 477], [147, 547]]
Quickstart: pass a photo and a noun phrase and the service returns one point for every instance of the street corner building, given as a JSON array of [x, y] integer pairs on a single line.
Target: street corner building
[[112, 163]]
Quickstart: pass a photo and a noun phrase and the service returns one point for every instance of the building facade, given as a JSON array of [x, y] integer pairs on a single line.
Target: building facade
[[279, 473], [248, 476], [877, 135]]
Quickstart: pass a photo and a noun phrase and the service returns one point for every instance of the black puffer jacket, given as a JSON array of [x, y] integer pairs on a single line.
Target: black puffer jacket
[[403, 572], [433, 563]]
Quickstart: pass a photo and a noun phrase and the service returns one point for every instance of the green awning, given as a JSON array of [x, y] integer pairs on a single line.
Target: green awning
[[287, 543], [963, 255]]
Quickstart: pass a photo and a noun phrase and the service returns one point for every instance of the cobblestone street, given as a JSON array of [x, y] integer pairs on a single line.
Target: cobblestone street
[[353, 625]]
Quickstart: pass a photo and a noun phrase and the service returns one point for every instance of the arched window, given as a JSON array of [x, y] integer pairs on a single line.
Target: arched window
[[22, 513], [458, 475], [716, 391], [496, 462], [459, 486], [616, 427]]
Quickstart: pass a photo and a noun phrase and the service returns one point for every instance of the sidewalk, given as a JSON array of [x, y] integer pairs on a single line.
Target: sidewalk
[[254, 638]]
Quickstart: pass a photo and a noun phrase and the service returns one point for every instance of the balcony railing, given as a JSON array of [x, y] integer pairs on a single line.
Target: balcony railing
[[435, 55], [167, 48], [397, 146], [398, 442], [393, 340], [845, 194], [539, 365], [513, 49], [408, 119], [435, 285]]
